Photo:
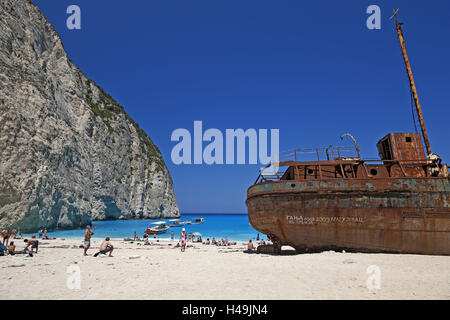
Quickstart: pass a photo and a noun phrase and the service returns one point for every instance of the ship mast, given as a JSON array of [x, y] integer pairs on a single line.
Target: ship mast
[[398, 26]]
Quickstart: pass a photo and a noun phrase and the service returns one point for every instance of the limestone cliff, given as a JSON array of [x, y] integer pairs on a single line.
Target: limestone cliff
[[69, 153]]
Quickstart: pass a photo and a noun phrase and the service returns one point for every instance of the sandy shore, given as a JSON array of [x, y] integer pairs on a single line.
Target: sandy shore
[[209, 272]]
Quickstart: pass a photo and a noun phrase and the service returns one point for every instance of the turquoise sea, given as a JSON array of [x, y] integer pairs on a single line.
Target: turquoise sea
[[234, 226]]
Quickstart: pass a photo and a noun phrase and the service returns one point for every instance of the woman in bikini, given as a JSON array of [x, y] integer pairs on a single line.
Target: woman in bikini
[[183, 240]]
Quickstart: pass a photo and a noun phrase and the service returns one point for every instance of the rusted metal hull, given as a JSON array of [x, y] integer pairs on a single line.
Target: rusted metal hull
[[401, 215]]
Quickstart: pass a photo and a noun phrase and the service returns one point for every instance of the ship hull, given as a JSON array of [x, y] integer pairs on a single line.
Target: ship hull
[[409, 215]]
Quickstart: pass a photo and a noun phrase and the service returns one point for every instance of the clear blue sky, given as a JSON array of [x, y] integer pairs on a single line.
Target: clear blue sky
[[309, 68]]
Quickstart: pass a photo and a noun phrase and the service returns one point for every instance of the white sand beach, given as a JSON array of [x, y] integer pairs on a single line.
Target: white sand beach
[[209, 272]]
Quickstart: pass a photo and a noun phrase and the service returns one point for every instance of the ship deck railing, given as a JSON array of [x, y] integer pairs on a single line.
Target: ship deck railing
[[338, 156], [319, 154]]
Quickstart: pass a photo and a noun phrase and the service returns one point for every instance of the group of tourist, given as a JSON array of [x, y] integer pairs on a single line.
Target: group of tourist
[[105, 247], [9, 248]]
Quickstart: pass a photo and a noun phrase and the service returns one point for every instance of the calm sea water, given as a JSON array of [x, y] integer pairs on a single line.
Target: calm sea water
[[234, 226]]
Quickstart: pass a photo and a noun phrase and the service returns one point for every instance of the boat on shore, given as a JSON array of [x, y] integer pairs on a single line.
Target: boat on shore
[[399, 203]]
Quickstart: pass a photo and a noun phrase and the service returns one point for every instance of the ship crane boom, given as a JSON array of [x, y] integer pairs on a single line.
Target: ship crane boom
[[401, 38]]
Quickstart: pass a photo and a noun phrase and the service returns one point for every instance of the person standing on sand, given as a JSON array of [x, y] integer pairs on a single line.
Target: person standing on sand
[[87, 238], [5, 235], [183, 240], [171, 236], [135, 236]]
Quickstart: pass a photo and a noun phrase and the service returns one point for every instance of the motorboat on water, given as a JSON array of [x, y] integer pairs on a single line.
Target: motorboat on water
[[198, 220], [158, 227], [176, 223]]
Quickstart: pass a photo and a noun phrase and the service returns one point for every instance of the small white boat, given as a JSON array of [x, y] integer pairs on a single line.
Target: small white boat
[[176, 223], [159, 227], [198, 220]]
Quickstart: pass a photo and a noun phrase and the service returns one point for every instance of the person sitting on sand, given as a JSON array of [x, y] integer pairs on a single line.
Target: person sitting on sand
[[146, 242], [3, 249], [262, 242], [213, 241], [12, 248], [250, 246], [34, 243], [87, 238], [105, 247], [207, 241], [145, 236]]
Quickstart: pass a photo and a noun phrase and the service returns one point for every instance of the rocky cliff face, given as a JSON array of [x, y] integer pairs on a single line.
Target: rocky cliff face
[[69, 153]]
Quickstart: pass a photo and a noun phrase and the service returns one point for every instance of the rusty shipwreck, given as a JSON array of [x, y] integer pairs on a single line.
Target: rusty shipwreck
[[399, 203]]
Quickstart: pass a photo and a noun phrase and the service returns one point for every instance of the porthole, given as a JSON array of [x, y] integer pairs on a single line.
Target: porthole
[[373, 172]]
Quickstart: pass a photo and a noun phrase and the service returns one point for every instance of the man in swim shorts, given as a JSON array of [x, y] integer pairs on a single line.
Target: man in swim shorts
[[33, 243], [87, 238], [105, 247], [5, 235]]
